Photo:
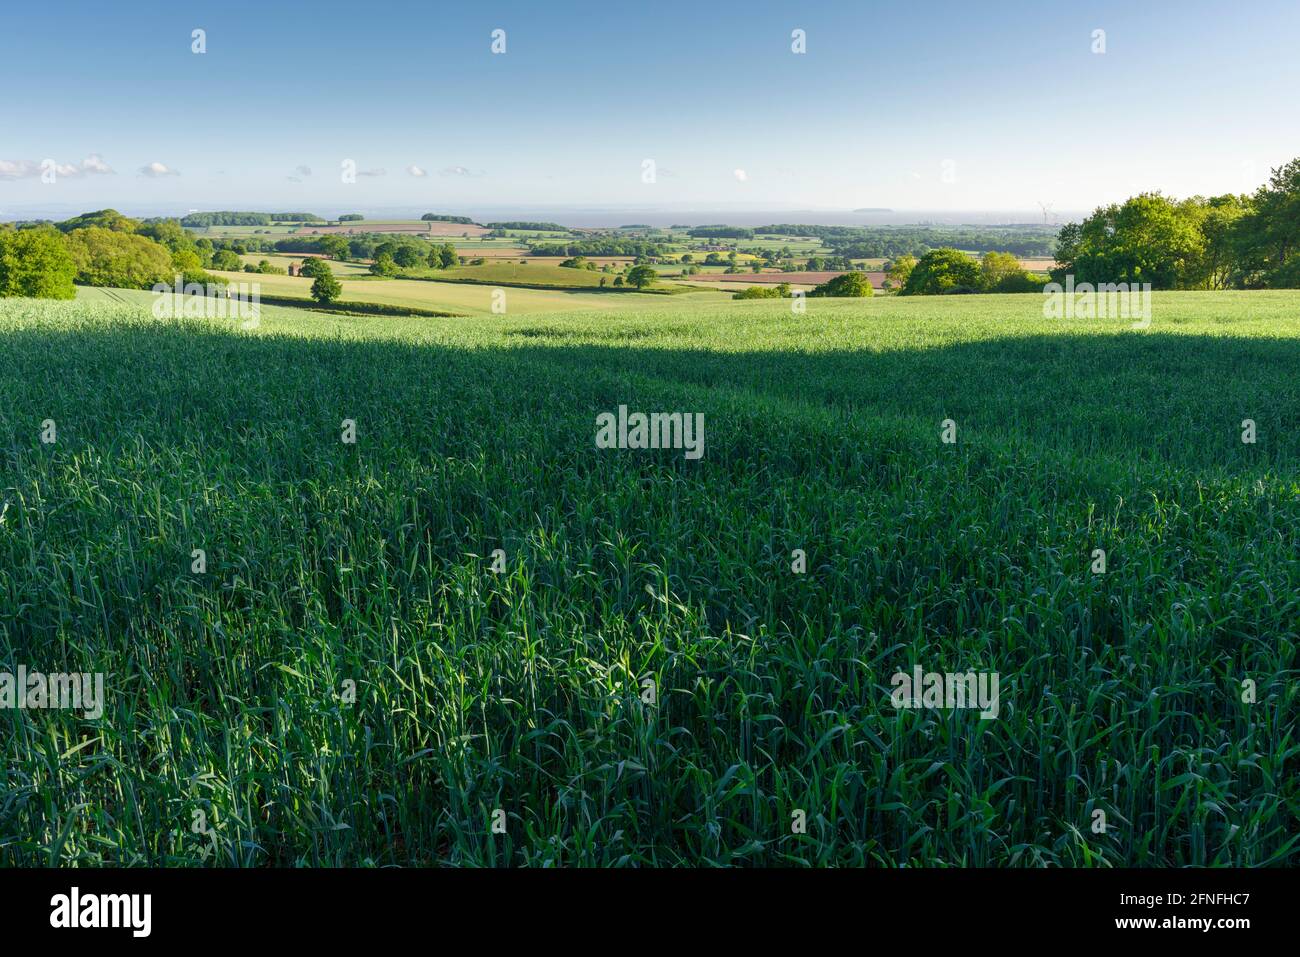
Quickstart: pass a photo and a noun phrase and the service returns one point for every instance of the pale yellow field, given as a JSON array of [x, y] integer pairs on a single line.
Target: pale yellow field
[[464, 297]]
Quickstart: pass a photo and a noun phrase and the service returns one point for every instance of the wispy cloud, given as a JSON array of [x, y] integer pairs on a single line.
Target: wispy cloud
[[156, 170], [416, 170], [372, 172], [92, 165], [457, 171], [299, 174]]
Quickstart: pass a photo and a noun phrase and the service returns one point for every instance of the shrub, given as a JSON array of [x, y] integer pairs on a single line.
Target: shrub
[[758, 292]]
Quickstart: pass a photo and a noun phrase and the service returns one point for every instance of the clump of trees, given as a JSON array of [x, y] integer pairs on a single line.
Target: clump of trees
[[440, 218], [951, 271], [849, 285], [604, 246], [641, 276], [443, 257], [530, 226], [236, 218], [351, 218], [721, 232], [106, 257], [1223, 242], [779, 291]]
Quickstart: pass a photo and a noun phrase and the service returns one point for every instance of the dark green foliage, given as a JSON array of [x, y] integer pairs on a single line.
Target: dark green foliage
[[325, 288], [943, 271]]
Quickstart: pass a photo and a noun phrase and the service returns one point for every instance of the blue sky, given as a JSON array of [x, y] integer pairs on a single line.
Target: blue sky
[[1188, 97]]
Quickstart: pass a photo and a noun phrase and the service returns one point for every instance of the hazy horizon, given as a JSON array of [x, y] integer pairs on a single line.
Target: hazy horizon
[[594, 216]]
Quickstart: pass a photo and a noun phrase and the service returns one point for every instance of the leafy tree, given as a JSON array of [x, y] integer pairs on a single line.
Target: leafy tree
[[326, 289], [941, 271], [448, 255], [1268, 237], [641, 276], [850, 284], [408, 256], [225, 218], [1002, 272], [226, 260], [335, 247], [124, 260], [186, 261], [314, 267], [384, 266], [36, 263], [169, 232], [901, 268]]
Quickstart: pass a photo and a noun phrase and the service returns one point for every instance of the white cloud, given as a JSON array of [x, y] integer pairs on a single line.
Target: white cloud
[[156, 170], [740, 175], [19, 169], [415, 170], [29, 169], [456, 171], [94, 163]]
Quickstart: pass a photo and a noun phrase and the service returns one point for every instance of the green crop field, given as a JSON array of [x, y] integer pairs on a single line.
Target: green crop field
[[348, 681]]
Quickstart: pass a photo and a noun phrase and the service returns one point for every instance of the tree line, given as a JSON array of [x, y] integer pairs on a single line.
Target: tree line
[[1221, 242]]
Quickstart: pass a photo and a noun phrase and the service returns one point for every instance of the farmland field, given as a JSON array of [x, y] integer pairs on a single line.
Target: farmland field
[[348, 682], [459, 297]]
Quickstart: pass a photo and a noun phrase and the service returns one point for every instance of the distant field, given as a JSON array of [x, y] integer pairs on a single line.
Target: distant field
[[462, 297], [809, 278], [1038, 265], [340, 269], [534, 271], [368, 566]]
